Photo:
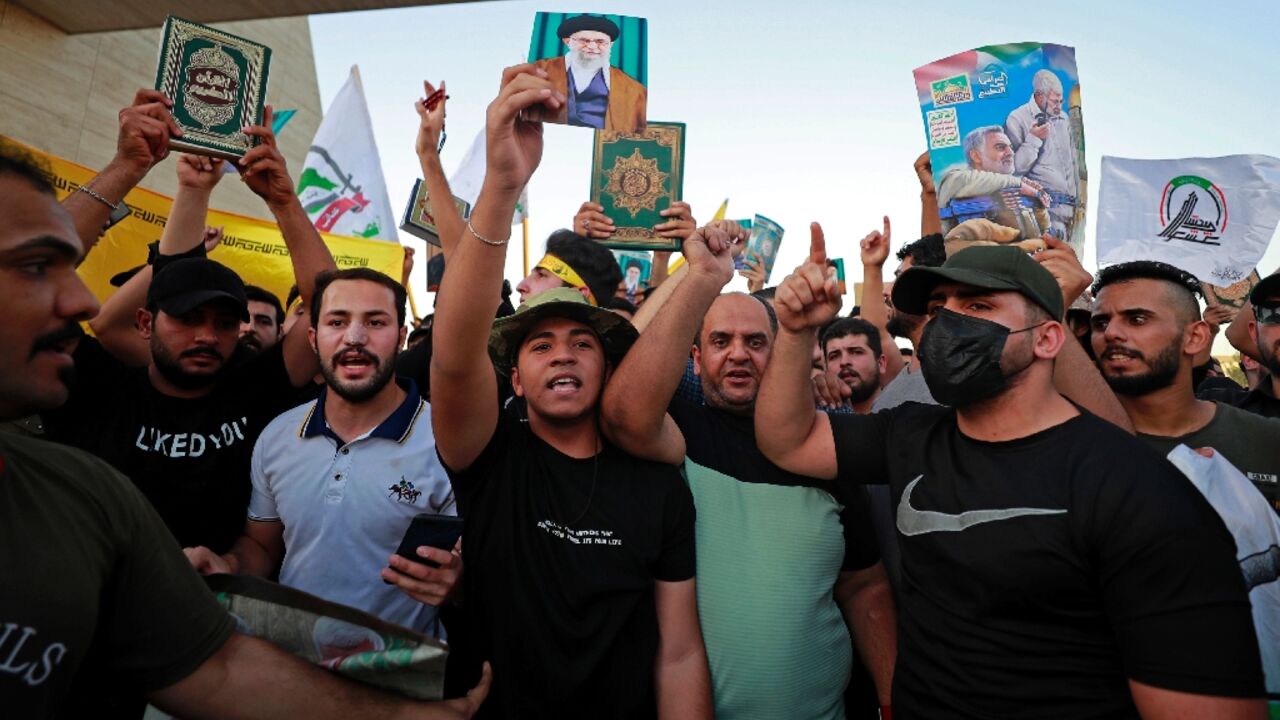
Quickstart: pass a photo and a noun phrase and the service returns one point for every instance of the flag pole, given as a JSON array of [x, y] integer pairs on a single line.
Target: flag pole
[[524, 226]]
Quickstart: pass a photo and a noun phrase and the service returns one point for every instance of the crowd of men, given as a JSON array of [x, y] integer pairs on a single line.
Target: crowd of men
[[685, 503]]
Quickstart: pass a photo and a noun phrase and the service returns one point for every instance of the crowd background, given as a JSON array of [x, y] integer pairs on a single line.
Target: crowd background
[[822, 96]]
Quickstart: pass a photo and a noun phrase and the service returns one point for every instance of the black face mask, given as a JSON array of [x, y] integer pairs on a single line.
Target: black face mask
[[960, 357]]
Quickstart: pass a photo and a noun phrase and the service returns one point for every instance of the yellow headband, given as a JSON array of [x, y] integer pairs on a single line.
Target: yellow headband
[[561, 269]]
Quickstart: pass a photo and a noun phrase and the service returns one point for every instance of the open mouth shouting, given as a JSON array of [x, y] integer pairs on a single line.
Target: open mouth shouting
[[355, 363], [564, 383]]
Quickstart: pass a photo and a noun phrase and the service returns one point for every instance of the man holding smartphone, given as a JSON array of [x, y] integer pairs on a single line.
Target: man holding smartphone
[[338, 480]]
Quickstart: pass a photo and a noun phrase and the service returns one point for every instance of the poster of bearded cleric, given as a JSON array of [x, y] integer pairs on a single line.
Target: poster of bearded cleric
[[599, 63], [1006, 140]]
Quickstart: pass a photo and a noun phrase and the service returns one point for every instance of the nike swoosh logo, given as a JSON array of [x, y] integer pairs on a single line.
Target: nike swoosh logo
[[918, 522]]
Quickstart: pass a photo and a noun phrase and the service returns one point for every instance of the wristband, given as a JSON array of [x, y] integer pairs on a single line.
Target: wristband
[[115, 207]]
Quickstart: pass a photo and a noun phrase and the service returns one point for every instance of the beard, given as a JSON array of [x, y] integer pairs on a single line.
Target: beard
[[1269, 357], [171, 370], [1162, 372], [584, 66], [864, 389], [902, 325], [361, 391]]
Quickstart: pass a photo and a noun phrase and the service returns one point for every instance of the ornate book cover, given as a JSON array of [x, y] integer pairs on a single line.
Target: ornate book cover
[[218, 84], [635, 177], [420, 220]]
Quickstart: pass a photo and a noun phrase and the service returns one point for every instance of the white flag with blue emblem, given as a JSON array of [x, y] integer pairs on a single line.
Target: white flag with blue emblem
[[1212, 217]]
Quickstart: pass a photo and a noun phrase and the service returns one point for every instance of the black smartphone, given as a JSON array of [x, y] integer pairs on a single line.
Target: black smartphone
[[437, 531]]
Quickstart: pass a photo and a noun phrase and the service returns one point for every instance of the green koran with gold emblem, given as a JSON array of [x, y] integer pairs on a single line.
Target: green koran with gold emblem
[[218, 84], [635, 177]]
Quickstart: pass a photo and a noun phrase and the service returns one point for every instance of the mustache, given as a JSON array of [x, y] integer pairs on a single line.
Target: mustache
[[359, 352], [1132, 352], [50, 340], [201, 350]]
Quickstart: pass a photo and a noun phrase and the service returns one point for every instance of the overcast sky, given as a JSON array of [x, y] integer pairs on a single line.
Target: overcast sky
[[807, 111]]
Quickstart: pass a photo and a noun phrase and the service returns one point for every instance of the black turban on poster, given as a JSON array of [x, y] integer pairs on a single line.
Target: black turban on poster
[[596, 23]]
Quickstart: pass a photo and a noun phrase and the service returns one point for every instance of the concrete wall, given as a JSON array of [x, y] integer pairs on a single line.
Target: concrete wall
[[61, 93]]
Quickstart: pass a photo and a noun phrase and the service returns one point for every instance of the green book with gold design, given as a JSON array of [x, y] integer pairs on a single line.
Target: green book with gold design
[[218, 84], [636, 176]]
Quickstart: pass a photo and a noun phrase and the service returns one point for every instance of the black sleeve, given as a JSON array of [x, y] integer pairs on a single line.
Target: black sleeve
[[862, 446], [159, 620], [861, 549], [677, 561], [99, 378], [268, 377], [415, 364], [1170, 581]]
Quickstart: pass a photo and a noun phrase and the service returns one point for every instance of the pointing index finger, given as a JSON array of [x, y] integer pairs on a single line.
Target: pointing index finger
[[817, 245]]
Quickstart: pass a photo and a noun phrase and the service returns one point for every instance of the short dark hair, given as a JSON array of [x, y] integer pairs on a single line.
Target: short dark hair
[[768, 311], [855, 311], [843, 327], [292, 296], [592, 261], [14, 160], [254, 293], [928, 251], [329, 277], [617, 303], [1185, 286]]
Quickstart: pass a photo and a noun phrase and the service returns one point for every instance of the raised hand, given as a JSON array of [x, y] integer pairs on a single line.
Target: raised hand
[[829, 393], [514, 145], [145, 129], [709, 249], [199, 172], [679, 222], [1219, 315], [754, 272], [809, 297], [263, 168], [874, 248], [430, 121], [924, 172], [1061, 262], [212, 238], [591, 222]]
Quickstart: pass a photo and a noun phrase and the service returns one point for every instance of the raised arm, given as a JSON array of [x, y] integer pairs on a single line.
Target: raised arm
[[1075, 376], [142, 141], [184, 231], [789, 430], [638, 421], [930, 223], [263, 169], [463, 387], [874, 252], [427, 146]]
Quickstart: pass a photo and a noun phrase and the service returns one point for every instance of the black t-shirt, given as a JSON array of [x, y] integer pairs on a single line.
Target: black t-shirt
[[189, 457], [561, 601], [93, 591], [1040, 574]]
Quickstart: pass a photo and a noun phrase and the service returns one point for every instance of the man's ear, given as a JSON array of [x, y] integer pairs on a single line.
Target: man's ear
[[311, 340], [1196, 338], [1049, 341], [586, 293], [142, 321], [1253, 331], [516, 387], [697, 361], [404, 335], [883, 363]]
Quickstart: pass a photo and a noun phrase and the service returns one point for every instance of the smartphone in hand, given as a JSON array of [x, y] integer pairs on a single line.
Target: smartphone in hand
[[437, 531]]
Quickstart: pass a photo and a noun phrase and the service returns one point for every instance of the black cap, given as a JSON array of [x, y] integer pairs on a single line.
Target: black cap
[[596, 23], [183, 285], [989, 267], [124, 276], [1269, 287]]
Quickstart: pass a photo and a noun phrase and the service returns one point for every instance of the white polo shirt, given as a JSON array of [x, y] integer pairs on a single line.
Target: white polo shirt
[[345, 508]]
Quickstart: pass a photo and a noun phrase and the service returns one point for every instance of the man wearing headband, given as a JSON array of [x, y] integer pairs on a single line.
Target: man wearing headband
[[1053, 566], [579, 584], [574, 261], [597, 94]]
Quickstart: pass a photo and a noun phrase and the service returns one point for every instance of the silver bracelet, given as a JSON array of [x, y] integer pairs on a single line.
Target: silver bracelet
[[96, 196], [483, 239]]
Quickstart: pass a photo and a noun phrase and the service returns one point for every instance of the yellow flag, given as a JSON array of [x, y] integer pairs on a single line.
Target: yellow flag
[[253, 248], [675, 264]]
